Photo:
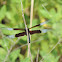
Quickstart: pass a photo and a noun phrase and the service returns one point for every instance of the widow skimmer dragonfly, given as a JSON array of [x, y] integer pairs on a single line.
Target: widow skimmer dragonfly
[[29, 32]]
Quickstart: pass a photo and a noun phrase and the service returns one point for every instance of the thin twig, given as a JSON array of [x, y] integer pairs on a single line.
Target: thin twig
[[37, 55], [25, 27], [31, 14], [10, 50], [31, 17], [31, 43], [31, 57], [46, 10], [3, 36]]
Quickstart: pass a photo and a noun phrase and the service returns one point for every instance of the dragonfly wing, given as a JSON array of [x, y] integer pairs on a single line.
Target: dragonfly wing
[[7, 28], [20, 34], [39, 31], [11, 36], [34, 31], [40, 24], [12, 28], [44, 22], [44, 30], [16, 35]]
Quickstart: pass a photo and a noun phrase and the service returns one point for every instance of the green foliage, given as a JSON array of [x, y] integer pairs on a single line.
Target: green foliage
[[25, 60], [2, 54], [11, 14], [50, 57], [13, 56], [2, 12]]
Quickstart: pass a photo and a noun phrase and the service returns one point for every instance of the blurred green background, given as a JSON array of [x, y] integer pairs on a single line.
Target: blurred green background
[[11, 16]]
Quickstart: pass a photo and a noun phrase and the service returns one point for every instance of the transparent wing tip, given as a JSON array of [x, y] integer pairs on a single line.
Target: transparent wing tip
[[7, 28], [11, 36], [44, 30], [44, 22]]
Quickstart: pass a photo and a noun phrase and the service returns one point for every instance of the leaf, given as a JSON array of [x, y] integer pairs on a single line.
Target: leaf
[[56, 16], [2, 12], [44, 13], [52, 11], [14, 54], [2, 54], [45, 44], [25, 60], [49, 57], [15, 1], [10, 16]]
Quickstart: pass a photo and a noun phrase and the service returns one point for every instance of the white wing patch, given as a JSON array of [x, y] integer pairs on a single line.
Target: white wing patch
[[11, 36]]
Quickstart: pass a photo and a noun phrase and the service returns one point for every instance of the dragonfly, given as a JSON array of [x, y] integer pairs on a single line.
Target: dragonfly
[[29, 32]]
